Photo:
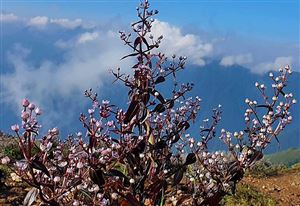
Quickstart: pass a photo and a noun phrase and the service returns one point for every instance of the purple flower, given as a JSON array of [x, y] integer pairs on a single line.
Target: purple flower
[[5, 160], [38, 111], [25, 102], [105, 102], [55, 131], [31, 106], [15, 128], [25, 116], [110, 123]]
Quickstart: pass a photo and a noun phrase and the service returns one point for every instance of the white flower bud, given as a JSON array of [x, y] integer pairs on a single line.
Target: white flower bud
[[56, 179], [76, 203], [5, 160], [279, 86], [114, 196], [31, 106], [15, 128], [79, 165], [38, 111]]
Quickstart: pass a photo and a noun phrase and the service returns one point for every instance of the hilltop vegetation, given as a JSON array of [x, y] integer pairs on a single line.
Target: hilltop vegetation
[[288, 157]]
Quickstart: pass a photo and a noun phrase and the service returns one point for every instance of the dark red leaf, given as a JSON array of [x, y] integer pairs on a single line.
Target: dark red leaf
[[160, 145], [157, 95], [130, 55], [143, 115], [169, 104], [266, 106], [183, 125], [136, 66], [131, 111], [132, 200], [40, 166], [97, 177], [175, 138], [190, 159], [160, 79], [137, 41], [159, 108], [146, 98], [178, 176], [145, 42]]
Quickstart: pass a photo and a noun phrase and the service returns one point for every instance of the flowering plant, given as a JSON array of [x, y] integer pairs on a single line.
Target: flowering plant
[[143, 155]]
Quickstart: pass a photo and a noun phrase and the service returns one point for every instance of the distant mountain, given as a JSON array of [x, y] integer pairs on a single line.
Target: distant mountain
[[228, 86], [287, 157]]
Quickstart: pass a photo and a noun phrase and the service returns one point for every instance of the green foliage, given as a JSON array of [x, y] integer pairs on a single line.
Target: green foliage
[[13, 152], [264, 168], [4, 171], [296, 166], [246, 195], [288, 157], [121, 167]]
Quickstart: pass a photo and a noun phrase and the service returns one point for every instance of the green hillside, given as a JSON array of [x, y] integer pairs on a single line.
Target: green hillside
[[287, 157]]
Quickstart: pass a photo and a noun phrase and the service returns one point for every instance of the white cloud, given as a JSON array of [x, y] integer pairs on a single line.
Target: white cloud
[[9, 17], [275, 65], [87, 36], [67, 23], [240, 59], [86, 67], [81, 39], [38, 21], [175, 42]]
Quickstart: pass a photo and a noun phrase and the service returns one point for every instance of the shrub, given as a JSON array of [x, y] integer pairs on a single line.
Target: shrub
[[266, 169], [296, 167], [13, 152], [143, 155], [247, 195], [288, 157], [4, 172]]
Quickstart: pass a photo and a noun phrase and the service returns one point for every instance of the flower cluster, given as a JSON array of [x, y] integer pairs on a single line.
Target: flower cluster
[[143, 154]]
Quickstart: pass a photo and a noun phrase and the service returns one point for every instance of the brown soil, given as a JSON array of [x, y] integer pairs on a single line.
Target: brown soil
[[285, 189], [11, 195]]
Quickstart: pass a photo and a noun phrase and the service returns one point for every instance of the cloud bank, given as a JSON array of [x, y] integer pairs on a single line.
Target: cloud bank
[[240, 59], [9, 17], [175, 42], [90, 50], [55, 85]]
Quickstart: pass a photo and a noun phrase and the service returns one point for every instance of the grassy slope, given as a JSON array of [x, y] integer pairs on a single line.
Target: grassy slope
[[287, 157]]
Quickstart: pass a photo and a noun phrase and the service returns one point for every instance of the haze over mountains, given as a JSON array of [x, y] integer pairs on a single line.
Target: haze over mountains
[[214, 84]]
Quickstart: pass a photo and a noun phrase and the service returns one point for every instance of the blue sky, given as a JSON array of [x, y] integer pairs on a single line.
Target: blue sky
[[53, 50], [278, 20]]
